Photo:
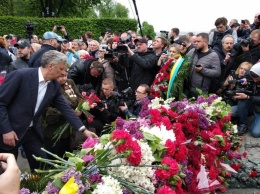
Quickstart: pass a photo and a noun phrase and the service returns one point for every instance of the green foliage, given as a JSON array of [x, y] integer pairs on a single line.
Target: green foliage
[[74, 26], [183, 73], [147, 29]]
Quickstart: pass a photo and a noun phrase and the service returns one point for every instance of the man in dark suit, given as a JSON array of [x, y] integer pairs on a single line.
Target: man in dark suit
[[24, 95]]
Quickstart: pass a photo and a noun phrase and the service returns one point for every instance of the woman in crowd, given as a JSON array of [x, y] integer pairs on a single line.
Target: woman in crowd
[[172, 52]]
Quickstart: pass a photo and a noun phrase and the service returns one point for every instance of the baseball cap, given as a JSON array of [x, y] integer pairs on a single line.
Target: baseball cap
[[256, 69], [142, 40], [52, 35], [235, 25], [22, 43]]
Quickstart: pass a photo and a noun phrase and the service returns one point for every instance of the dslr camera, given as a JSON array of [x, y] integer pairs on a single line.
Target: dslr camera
[[246, 42]]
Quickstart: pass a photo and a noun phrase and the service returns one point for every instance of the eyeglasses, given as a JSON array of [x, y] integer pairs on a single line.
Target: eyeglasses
[[138, 92]]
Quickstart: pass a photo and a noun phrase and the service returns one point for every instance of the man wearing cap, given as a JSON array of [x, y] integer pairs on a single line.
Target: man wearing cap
[[50, 42], [254, 98], [143, 63], [22, 61]]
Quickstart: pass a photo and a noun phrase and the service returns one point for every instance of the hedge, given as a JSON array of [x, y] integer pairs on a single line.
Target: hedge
[[74, 26]]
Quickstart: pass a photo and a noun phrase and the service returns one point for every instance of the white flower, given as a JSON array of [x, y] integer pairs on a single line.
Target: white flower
[[141, 176], [160, 132], [85, 105], [235, 128], [156, 103], [109, 185]]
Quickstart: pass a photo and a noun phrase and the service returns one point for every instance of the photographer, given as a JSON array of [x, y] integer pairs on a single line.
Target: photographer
[[141, 93], [248, 49], [253, 100], [110, 99], [235, 80], [120, 62], [143, 64]]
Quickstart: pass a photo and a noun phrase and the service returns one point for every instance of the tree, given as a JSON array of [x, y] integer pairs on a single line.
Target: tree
[[6, 7], [110, 8], [147, 29]]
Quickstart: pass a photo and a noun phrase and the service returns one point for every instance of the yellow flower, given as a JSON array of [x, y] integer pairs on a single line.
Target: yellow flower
[[70, 187]]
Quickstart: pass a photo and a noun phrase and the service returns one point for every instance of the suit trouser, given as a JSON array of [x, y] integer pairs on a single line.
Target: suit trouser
[[32, 146]]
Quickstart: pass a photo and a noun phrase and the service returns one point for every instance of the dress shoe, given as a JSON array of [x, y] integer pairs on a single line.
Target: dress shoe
[[242, 129]]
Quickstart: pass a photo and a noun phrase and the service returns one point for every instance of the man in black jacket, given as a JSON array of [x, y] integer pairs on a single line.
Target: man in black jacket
[[143, 64], [22, 61], [248, 49], [226, 56], [50, 42]]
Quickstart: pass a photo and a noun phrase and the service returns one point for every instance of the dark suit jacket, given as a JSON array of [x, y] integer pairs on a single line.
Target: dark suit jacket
[[18, 96]]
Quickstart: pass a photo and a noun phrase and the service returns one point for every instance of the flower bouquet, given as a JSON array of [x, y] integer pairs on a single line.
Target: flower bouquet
[[84, 106], [169, 81], [173, 147]]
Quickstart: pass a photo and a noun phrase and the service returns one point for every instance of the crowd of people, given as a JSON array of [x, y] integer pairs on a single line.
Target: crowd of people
[[45, 79]]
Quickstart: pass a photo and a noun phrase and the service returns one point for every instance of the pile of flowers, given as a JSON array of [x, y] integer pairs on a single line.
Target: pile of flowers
[[173, 147]]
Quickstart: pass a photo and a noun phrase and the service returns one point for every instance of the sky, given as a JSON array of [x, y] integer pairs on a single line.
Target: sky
[[190, 15]]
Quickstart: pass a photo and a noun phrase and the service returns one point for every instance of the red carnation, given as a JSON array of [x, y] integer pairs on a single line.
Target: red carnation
[[170, 147], [253, 173], [181, 154], [166, 122], [165, 189], [244, 154], [171, 168], [136, 155]]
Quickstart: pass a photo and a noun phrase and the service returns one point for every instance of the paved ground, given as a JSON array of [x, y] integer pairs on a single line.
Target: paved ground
[[250, 145]]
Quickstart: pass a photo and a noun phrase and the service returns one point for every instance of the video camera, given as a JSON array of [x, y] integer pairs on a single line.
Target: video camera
[[239, 88], [165, 32], [29, 27], [121, 48], [126, 96]]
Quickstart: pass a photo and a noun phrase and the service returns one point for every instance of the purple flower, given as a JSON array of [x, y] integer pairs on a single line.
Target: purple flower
[[95, 178], [87, 158], [87, 185], [188, 174], [51, 189], [119, 123], [68, 174], [25, 191], [81, 186], [145, 110], [138, 135], [127, 192]]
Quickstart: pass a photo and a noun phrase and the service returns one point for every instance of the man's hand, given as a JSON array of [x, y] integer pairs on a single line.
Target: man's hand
[[240, 96], [10, 179], [122, 108], [198, 68], [88, 133], [10, 138]]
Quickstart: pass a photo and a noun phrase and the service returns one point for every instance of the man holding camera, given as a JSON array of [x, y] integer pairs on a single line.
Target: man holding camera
[[248, 49], [254, 99], [143, 64], [141, 93], [110, 99]]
